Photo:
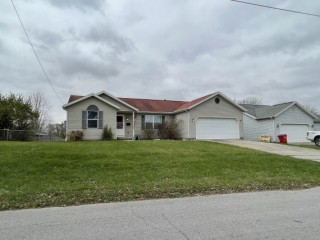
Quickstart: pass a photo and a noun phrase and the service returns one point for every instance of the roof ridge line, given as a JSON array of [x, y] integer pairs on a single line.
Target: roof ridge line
[[149, 99]]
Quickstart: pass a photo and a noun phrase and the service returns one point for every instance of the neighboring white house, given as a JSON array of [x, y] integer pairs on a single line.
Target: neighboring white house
[[317, 124], [287, 118], [214, 116]]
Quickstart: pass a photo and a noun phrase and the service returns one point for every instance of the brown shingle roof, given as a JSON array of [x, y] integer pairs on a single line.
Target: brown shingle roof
[[74, 98], [193, 102], [150, 105]]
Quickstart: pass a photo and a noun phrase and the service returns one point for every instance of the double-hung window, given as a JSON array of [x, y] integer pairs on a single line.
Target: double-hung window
[[153, 121], [93, 116]]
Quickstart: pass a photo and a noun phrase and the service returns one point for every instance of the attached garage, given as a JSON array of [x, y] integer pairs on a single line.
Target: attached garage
[[217, 128], [295, 132]]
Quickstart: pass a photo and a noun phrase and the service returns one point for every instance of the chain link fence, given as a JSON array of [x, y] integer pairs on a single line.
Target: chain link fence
[[28, 135]]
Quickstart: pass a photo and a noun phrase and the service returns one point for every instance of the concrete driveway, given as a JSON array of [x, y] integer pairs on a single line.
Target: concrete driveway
[[276, 148]]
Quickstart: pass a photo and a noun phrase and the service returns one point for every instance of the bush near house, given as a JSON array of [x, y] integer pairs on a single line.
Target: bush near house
[[107, 133], [149, 134], [75, 136], [170, 129]]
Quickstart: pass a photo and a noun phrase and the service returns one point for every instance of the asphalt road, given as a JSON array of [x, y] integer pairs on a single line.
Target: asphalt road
[[262, 215]]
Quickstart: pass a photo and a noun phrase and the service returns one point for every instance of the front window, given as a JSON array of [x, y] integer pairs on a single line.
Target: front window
[[93, 116], [153, 121]]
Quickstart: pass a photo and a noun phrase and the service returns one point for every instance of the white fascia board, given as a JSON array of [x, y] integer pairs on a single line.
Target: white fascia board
[[307, 111], [249, 115], [293, 103], [301, 107]]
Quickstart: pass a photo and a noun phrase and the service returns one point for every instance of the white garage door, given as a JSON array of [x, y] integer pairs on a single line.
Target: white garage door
[[295, 132], [217, 128]]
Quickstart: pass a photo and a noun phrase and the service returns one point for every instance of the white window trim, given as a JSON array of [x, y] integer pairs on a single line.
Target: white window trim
[[153, 118], [97, 119]]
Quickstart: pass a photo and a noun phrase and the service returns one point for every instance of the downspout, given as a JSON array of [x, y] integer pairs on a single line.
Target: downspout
[[133, 123]]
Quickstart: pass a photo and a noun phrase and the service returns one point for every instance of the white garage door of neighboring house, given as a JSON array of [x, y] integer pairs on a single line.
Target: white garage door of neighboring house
[[295, 132], [217, 128]]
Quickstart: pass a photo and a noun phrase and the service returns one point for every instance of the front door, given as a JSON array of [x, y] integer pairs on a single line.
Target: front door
[[120, 126]]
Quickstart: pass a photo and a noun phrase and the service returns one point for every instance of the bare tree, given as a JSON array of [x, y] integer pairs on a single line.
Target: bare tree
[[311, 109], [250, 100], [58, 129], [40, 105]]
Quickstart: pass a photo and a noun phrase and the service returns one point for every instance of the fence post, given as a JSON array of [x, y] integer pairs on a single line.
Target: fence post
[[7, 134]]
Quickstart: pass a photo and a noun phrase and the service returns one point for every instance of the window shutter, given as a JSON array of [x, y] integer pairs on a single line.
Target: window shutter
[[143, 124], [84, 119], [163, 119], [100, 119]]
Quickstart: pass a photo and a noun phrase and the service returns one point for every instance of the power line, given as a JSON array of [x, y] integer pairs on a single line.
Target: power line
[[35, 53], [281, 9]]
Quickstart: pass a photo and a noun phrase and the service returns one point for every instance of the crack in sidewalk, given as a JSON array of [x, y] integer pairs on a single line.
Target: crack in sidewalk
[[146, 223], [175, 227]]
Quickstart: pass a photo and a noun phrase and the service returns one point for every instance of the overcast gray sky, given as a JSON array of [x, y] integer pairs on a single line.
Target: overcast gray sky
[[161, 49]]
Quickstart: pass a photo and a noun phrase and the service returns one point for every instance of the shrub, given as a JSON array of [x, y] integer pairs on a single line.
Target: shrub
[[75, 136], [170, 129], [149, 134], [107, 133]]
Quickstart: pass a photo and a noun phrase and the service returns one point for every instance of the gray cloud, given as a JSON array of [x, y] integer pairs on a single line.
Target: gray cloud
[[48, 39], [75, 66], [107, 36], [83, 5], [163, 49]]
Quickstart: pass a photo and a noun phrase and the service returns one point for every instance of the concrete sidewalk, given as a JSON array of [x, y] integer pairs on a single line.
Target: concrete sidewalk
[[276, 148]]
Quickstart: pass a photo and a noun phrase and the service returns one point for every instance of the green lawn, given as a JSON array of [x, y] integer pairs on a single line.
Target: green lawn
[[69, 173]]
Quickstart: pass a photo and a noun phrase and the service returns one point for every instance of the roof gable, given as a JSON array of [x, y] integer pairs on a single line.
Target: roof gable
[[117, 100], [200, 100], [76, 99], [267, 111]]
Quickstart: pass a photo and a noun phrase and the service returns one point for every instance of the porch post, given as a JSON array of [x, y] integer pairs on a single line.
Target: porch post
[[188, 125], [133, 123]]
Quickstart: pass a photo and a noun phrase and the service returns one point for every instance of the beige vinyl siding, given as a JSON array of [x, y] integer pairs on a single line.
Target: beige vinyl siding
[[208, 109], [184, 126], [253, 129], [123, 108], [128, 130], [74, 118], [168, 117], [137, 125], [293, 115]]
